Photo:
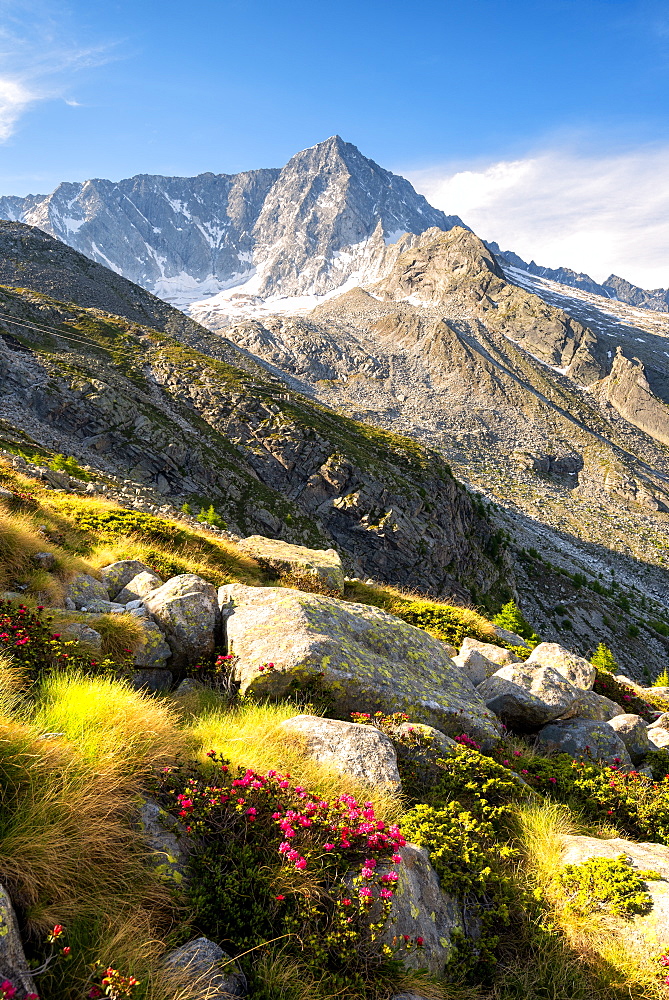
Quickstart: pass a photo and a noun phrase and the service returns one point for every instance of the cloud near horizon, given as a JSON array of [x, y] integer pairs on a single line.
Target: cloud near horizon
[[601, 215]]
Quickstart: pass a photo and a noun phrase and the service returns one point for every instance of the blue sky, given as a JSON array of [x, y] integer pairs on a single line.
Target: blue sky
[[473, 100]]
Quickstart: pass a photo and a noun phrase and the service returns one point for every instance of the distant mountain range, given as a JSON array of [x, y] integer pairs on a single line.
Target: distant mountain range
[[613, 288], [301, 230]]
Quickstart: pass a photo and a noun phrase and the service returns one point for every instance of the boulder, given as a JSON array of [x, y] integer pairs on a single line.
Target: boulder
[[662, 722], [575, 668], [363, 752], [209, 972], [525, 697], [166, 840], [44, 560], [596, 707], [632, 731], [97, 607], [116, 575], [323, 565], [154, 680], [363, 656], [437, 740], [13, 964], [496, 654], [585, 738], [139, 587], [510, 637], [82, 633], [658, 737], [186, 610], [84, 589], [475, 665], [649, 931], [421, 908], [155, 651]]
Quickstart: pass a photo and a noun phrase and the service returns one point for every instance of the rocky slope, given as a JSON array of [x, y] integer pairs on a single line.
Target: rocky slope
[[524, 401], [169, 411], [656, 299], [303, 229]]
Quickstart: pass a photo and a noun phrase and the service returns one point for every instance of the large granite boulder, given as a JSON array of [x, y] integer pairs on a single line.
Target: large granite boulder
[[658, 737], [364, 657], [649, 931], [596, 707], [421, 909], [186, 610], [209, 972], [139, 586], [323, 565], [525, 697], [632, 731], [116, 575], [13, 964], [363, 752], [84, 589], [587, 739], [576, 669]]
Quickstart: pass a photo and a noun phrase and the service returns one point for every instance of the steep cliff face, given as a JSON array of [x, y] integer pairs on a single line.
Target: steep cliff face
[[171, 413], [627, 388]]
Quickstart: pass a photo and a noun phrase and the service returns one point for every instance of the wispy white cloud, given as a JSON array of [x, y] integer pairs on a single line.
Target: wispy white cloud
[[599, 214], [40, 54]]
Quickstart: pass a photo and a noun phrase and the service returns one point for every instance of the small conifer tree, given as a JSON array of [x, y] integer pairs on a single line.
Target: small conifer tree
[[604, 659], [512, 619]]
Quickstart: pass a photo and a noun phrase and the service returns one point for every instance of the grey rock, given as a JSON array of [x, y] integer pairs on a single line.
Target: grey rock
[[632, 731], [166, 839], [84, 589], [421, 908], [363, 752], [365, 657], [476, 666], [139, 587], [116, 575], [526, 697], [96, 607], [435, 738], [188, 685], [44, 560], [155, 680], [511, 637], [186, 610], [13, 964], [82, 633], [658, 737], [585, 738], [662, 722], [596, 707], [209, 971], [576, 669], [155, 651], [324, 565], [496, 654]]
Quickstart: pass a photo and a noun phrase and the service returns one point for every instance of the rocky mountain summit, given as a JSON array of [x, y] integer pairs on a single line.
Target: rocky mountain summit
[[303, 229]]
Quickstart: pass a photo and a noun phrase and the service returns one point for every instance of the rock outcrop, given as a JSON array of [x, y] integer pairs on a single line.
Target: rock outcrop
[[362, 656], [627, 388], [363, 752], [322, 565]]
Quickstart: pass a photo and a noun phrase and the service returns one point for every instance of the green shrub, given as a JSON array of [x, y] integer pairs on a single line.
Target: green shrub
[[660, 627], [512, 619], [65, 463], [609, 884], [662, 680]]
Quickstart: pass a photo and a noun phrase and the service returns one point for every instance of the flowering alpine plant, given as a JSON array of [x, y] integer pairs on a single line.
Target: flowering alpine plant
[[112, 984], [338, 845], [8, 992]]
